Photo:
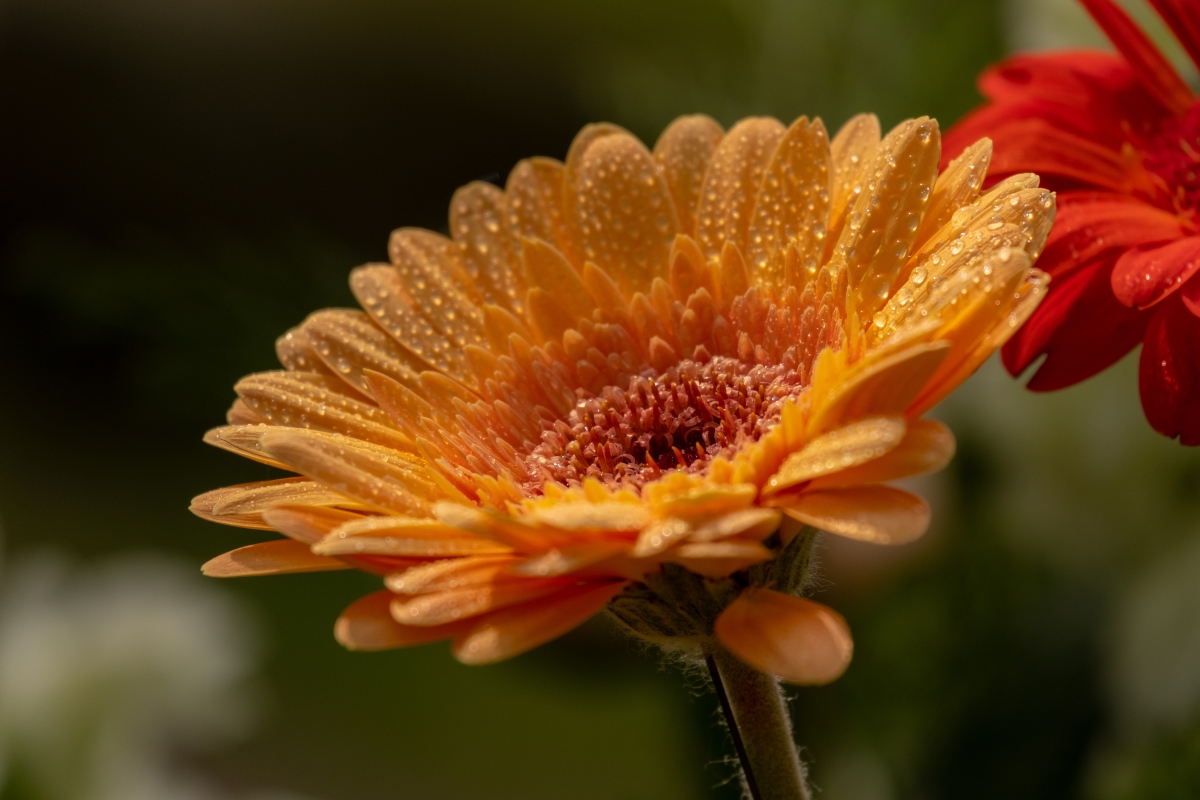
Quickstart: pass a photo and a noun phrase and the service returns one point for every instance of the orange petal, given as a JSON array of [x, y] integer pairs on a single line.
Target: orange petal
[[490, 251], [453, 573], [547, 269], [682, 153], [244, 441], [432, 272], [881, 387], [718, 559], [348, 343], [927, 446], [799, 640], [367, 625], [731, 185], [370, 475], [450, 605], [404, 536], [956, 187], [883, 221], [838, 450], [298, 353], [308, 400], [535, 204], [244, 505], [379, 289], [515, 630], [792, 206], [623, 208], [876, 514], [279, 557], [307, 524], [852, 152]]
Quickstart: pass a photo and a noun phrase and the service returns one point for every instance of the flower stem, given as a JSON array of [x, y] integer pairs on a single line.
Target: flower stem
[[758, 721]]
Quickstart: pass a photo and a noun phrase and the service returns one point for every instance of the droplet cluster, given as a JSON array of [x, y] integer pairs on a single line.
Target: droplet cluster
[[680, 420]]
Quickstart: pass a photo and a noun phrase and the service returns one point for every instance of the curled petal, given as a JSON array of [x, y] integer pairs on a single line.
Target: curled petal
[[797, 639], [883, 387], [1142, 278], [875, 514], [927, 446], [514, 630], [367, 625], [279, 557], [718, 559], [838, 450]]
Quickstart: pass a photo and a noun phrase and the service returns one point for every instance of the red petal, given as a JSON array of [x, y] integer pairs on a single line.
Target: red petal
[[1183, 17], [1081, 328], [1090, 224], [1190, 294], [1037, 145], [1169, 373], [1143, 277], [1152, 68], [1092, 95]]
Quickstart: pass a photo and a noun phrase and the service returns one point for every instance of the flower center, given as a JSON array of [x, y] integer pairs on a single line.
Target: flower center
[[681, 419], [1173, 156]]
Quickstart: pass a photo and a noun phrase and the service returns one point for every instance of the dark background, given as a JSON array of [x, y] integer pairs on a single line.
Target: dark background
[[182, 181]]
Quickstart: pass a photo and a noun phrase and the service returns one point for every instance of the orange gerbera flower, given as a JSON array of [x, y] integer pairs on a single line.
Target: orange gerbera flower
[[632, 380]]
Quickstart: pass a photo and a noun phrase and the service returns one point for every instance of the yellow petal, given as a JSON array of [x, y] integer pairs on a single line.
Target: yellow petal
[[597, 517], [623, 208], [1027, 297], [792, 207], [534, 202], [927, 446], [279, 557], [838, 450], [682, 153], [796, 639], [881, 387], [731, 185], [515, 630], [876, 514], [853, 152], [490, 251], [367, 625], [884, 219]]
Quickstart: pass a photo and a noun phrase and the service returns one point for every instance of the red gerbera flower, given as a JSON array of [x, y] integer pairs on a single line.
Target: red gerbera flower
[[1118, 137]]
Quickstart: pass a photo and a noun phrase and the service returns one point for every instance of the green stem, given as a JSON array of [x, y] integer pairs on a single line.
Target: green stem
[[758, 721]]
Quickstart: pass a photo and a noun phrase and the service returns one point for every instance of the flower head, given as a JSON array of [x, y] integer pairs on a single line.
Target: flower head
[[630, 380], [1119, 138]]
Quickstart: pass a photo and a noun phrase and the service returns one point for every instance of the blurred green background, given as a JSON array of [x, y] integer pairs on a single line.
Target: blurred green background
[[180, 182]]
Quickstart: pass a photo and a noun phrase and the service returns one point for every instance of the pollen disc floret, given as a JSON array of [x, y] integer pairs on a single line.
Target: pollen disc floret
[[631, 380]]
